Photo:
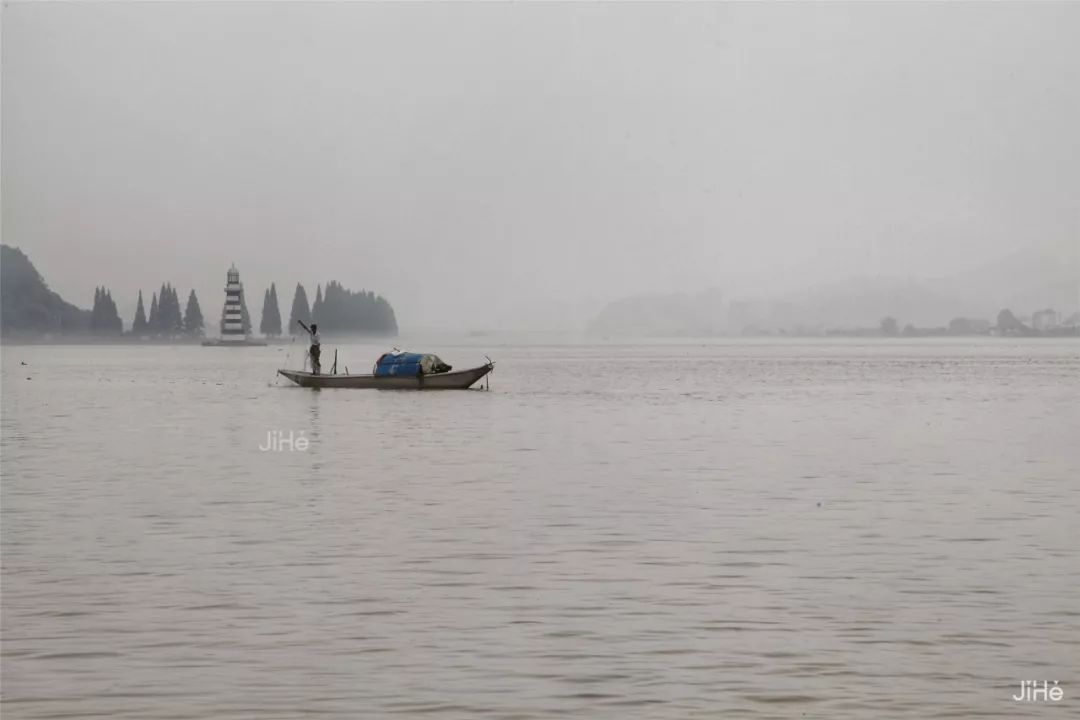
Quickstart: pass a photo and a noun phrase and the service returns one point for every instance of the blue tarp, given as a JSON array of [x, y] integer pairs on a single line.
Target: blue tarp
[[408, 364]]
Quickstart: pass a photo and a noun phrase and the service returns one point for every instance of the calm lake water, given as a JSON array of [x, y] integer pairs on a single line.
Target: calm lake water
[[737, 529]]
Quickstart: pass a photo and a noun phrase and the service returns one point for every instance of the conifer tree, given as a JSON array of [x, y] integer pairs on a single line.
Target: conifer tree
[[300, 311], [138, 325], [317, 307], [176, 320], [95, 312], [193, 319], [177, 313], [104, 320], [170, 320], [153, 323], [274, 323], [163, 310], [265, 310], [115, 324], [177, 309], [244, 316]]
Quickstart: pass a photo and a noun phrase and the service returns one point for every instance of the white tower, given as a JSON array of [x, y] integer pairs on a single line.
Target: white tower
[[232, 330]]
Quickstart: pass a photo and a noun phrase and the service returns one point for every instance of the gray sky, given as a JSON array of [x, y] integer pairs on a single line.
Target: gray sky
[[473, 162]]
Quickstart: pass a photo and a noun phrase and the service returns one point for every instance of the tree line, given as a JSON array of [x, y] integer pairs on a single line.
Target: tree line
[[339, 311], [165, 318], [28, 306], [1044, 323]]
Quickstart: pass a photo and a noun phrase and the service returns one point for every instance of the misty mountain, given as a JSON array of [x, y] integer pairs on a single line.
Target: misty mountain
[[27, 305], [863, 302], [516, 154], [671, 315], [1041, 276]]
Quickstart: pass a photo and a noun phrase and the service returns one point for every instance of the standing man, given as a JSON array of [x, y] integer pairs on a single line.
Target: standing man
[[314, 351]]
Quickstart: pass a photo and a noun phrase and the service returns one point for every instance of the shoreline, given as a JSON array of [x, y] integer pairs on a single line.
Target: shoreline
[[256, 341], [584, 338]]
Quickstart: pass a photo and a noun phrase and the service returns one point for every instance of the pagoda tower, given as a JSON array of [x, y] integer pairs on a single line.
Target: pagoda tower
[[232, 326]]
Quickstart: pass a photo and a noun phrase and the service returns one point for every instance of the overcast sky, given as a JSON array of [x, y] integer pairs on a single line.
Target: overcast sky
[[473, 161]]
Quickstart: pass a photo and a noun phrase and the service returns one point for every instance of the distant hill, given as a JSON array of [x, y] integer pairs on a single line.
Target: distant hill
[[673, 315], [864, 301], [1041, 276], [28, 306]]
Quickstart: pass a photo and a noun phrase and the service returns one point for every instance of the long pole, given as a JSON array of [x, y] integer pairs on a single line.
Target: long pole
[[308, 354]]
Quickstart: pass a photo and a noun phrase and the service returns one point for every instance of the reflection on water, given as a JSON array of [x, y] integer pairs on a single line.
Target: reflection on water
[[733, 529]]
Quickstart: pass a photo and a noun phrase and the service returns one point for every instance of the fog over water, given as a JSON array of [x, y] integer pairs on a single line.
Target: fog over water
[[638, 518], [522, 165]]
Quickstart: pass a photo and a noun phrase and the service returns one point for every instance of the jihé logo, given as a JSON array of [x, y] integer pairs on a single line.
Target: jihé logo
[[278, 441], [1032, 691]]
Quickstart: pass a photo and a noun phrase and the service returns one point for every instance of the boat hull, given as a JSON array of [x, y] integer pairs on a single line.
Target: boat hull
[[453, 380]]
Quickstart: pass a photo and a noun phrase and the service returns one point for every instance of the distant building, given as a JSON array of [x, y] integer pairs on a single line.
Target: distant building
[[1045, 319]]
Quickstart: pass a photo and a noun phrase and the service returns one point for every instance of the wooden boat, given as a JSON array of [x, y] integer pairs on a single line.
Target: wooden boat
[[453, 380]]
